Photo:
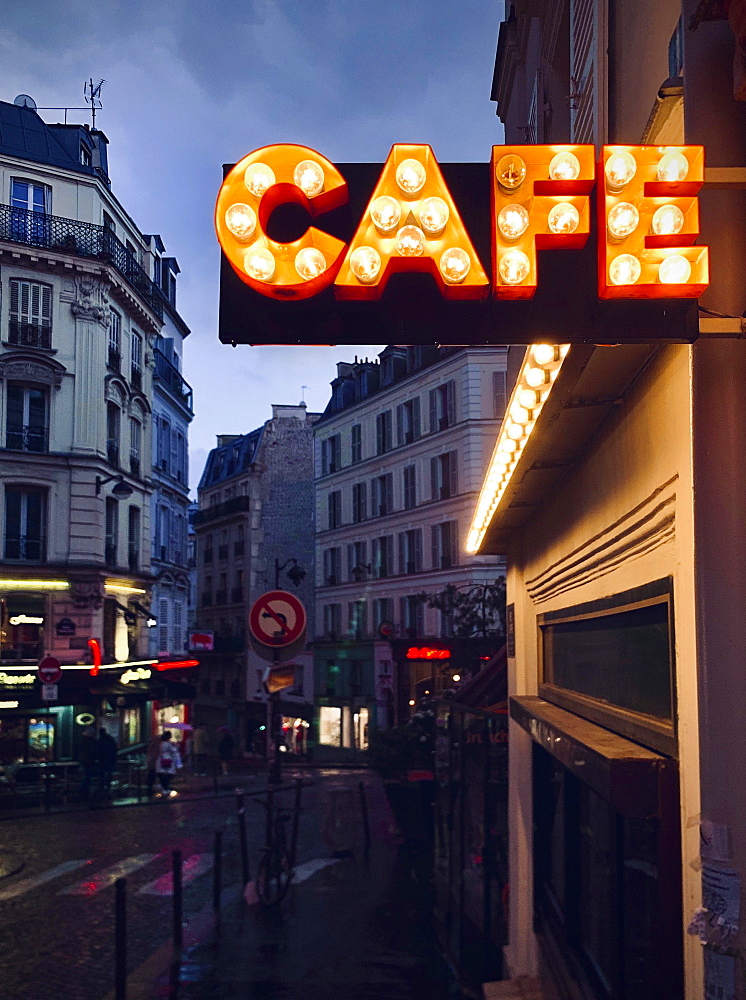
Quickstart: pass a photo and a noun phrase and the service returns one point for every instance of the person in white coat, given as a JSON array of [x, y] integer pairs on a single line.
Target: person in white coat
[[167, 763]]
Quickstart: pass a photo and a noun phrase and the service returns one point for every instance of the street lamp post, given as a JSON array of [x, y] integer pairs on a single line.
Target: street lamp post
[[296, 574]]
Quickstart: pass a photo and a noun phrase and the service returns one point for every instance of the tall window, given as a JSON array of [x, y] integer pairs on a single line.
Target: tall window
[[115, 340], [332, 560], [113, 417], [412, 614], [111, 554], [356, 443], [357, 561], [334, 505], [357, 619], [25, 528], [164, 443], [444, 545], [410, 551], [444, 476], [30, 314], [383, 611], [133, 539], [135, 445], [359, 502], [163, 530], [177, 628], [180, 470], [330, 454], [30, 203], [332, 620], [383, 432], [443, 406], [136, 360], [30, 197], [382, 556], [382, 495], [408, 421], [26, 425], [410, 487]]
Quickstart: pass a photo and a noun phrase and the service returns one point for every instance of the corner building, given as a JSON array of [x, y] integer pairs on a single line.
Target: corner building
[[400, 454]]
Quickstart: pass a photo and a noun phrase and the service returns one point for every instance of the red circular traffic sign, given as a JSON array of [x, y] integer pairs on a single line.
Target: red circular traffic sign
[[277, 618], [50, 670]]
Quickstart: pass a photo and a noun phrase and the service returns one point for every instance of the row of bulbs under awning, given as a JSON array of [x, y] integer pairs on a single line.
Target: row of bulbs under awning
[[424, 220]]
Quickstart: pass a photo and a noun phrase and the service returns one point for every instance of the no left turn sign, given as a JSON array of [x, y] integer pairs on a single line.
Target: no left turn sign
[[277, 618]]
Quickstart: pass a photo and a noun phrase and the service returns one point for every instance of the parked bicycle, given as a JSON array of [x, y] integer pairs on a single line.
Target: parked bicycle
[[275, 871]]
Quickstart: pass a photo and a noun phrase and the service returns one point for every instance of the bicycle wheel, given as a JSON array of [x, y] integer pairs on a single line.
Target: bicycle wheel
[[273, 876]]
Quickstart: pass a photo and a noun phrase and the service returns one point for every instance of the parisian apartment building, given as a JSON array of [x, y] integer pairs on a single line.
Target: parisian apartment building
[[401, 451], [253, 533], [90, 350]]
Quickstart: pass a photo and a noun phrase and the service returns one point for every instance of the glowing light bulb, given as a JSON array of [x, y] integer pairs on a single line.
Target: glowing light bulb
[[456, 678], [410, 241], [620, 169], [454, 265], [623, 219], [673, 167], [385, 213], [510, 171], [434, 214], [512, 221], [515, 431], [668, 220], [624, 269], [259, 264], [514, 267], [543, 354], [509, 445], [519, 413], [309, 177], [258, 177], [310, 263], [411, 176], [365, 263], [528, 398], [535, 377], [241, 221], [564, 167], [675, 270], [563, 218]]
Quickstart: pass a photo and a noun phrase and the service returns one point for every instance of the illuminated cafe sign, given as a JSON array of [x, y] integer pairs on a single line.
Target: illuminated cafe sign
[[136, 674], [544, 243], [16, 681]]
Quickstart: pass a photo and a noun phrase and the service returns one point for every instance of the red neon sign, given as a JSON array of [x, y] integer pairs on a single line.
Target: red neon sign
[[427, 653], [177, 665], [96, 654]]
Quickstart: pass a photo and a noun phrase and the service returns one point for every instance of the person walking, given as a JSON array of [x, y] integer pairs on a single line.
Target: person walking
[[107, 760], [225, 750], [168, 763], [88, 758]]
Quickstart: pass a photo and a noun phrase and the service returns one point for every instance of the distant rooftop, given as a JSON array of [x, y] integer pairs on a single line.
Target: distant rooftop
[[24, 134]]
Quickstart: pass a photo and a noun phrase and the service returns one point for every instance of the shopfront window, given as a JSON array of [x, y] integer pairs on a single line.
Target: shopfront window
[[131, 726], [22, 627], [41, 735], [330, 725]]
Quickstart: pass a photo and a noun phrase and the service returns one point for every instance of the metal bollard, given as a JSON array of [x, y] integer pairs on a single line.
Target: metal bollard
[[120, 939], [366, 821], [178, 899], [217, 870], [241, 810]]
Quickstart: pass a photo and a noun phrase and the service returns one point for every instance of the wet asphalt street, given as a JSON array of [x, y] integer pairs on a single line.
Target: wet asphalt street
[[351, 926]]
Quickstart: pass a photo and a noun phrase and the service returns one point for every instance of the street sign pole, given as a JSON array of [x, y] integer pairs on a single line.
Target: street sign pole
[[274, 701]]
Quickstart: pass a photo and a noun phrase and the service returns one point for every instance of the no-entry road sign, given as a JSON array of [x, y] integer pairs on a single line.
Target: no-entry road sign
[[50, 670], [277, 618]]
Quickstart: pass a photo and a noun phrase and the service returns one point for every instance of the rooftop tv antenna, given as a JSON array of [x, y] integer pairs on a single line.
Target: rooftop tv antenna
[[93, 97]]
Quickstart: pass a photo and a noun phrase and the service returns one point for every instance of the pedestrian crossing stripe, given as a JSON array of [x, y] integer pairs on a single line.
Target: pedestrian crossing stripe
[[36, 880], [192, 868], [107, 876]]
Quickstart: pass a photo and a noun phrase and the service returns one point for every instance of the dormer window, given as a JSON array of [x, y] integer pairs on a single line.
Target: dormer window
[[85, 155]]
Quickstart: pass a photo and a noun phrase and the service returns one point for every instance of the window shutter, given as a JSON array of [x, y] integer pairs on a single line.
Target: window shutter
[[379, 434], [588, 40], [163, 625], [400, 424], [350, 561], [453, 541], [174, 455], [433, 410], [435, 548], [403, 612], [416, 417], [451, 402], [389, 487], [402, 553], [434, 478], [14, 287], [453, 472], [177, 634], [499, 394], [417, 550]]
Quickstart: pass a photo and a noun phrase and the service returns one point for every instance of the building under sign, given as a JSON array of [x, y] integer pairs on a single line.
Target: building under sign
[[621, 518]]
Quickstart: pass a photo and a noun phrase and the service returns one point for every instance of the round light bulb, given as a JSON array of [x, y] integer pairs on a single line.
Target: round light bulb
[[543, 354], [385, 213], [620, 169], [410, 241], [240, 220], [623, 219], [675, 270], [365, 263], [454, 265], [510, 171], [514, 267], [411, 176], [309, 177], [512, 221], [535, 377], [519, 413], [310, 263], [624, 269], [564, 167], [528, 398], [434, 215], [258, 177], [673, 167], [259, 264], [456, 678], [509, 445], [563, 218], [668, 220]]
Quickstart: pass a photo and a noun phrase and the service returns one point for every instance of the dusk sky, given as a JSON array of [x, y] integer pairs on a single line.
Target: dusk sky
[[192, 85]]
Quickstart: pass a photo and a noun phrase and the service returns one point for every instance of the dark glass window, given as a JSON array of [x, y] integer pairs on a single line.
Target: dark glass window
[[26, 427]]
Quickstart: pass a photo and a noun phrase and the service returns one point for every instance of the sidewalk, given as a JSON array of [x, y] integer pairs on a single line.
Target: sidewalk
[[351, 926]]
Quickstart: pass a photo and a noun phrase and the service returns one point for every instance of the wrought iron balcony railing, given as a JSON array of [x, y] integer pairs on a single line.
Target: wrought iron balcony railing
[[168, 374], [23, 438], [82, 239], [30, 335], [115, 360], [136, 377], [24, 548], [110, 554]]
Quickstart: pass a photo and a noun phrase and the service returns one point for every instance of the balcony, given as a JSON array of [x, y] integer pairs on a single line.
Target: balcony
[[237, 505], [81, 239], [170, 376], [133, 559], [135, 465], [24, 549], [20, 437], [136, 378], [115, 360], [112, 453], [30, 335]]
